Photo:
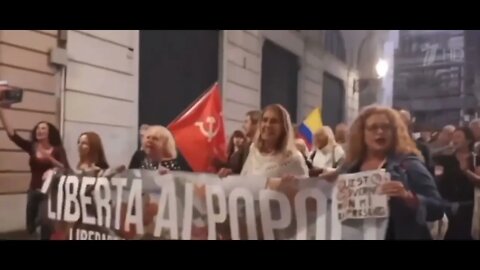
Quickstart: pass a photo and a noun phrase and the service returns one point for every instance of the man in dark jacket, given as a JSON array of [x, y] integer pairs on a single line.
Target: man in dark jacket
[[236, 161]]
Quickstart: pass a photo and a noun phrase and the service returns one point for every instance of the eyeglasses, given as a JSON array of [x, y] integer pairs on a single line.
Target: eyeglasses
[[382, 127]]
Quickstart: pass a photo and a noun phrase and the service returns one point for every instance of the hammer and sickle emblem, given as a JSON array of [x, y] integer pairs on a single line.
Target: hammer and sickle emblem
[[210, 132]]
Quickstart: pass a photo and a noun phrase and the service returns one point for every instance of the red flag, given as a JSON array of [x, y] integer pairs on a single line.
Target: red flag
[[199, 132]]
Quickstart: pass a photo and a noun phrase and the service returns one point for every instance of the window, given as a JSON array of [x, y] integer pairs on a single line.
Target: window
[[279, 78], [333, 102], [334, 44]]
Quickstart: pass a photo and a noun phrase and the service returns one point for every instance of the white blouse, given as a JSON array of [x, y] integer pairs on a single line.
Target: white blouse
[[274, 165], [328, 156]]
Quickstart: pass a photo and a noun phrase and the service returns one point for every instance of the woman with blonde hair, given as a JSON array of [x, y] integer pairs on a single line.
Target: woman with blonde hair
[[273, 152], [274, 156], [158, 150], [379, 139], [328, 154]]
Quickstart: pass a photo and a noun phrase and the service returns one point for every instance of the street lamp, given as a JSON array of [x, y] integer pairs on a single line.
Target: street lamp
[[381, 68]]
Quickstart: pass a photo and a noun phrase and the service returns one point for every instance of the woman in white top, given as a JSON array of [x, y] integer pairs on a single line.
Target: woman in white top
[[274, 156], [273, 152], [328, 154]]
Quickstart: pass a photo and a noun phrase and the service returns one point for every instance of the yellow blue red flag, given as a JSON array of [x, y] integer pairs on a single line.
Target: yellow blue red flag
[[311, 124]]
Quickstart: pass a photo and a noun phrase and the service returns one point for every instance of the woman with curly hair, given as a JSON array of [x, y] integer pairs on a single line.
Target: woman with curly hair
[[46, 152], [379, 139]]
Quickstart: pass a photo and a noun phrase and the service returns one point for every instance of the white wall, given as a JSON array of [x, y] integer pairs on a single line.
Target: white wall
[[101, 95], [242, 66], [316, 63], [24, 63], [102, 91], [242, 75], [12, 212], [310, 84]]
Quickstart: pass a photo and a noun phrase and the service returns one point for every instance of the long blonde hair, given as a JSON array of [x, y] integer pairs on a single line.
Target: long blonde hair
[[402, 141], [286, 144]]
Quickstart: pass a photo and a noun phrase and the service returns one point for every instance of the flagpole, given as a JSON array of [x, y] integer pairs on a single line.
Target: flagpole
[[193, 103]]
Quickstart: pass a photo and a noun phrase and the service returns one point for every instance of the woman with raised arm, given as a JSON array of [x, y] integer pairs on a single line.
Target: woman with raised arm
[[46, 152], [458, 174]]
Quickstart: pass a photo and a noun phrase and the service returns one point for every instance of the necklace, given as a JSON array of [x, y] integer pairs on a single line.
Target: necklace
[[148, 164]]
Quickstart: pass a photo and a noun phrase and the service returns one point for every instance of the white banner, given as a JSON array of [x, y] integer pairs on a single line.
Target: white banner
[[142, 204]]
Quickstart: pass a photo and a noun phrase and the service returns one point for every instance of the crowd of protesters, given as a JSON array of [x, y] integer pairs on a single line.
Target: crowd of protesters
[[434, 176]]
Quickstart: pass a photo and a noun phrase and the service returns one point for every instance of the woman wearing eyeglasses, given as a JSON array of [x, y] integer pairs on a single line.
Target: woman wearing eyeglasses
[[379, 139]]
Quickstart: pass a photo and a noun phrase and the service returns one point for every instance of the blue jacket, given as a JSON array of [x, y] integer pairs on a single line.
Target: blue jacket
[[408, 222]]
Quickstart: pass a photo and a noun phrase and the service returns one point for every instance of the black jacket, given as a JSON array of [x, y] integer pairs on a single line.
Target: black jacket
[[237, 159], [427, 156]]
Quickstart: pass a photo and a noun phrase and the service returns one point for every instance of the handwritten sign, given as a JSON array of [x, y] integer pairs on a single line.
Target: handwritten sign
[[359, 195]]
